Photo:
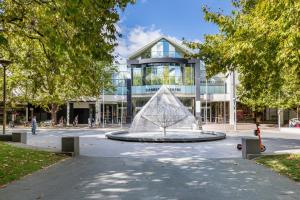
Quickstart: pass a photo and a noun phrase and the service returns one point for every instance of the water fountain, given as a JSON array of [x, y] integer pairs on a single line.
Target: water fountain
[[165, 119]]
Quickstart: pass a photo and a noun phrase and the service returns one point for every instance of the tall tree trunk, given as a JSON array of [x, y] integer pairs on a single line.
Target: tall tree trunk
[[54, 109]]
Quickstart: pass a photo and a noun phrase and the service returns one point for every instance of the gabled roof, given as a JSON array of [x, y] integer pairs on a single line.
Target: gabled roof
[[151, 44]]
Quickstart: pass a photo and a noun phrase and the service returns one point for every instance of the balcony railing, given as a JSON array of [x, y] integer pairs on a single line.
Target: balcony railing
[[162, 54], [150, 89], [177, 89], [212, 89]]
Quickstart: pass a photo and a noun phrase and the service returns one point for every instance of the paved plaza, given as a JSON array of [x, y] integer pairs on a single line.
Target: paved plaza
[[93, 143], [110, 169]]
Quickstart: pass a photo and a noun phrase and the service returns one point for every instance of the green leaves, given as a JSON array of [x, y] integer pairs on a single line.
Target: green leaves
[[261, 41], [62, 49]]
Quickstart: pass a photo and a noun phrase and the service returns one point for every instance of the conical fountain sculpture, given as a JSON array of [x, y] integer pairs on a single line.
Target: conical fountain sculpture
[[164, 113], [164, 110]]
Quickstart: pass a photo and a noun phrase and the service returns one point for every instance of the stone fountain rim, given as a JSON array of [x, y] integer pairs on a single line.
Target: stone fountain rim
[[120, 135]]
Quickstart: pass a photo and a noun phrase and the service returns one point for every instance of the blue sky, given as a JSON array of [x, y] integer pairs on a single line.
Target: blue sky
[[148, 19]]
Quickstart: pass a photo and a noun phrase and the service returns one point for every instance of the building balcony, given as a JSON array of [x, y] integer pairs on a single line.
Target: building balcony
[[151, 89], [189, 90]]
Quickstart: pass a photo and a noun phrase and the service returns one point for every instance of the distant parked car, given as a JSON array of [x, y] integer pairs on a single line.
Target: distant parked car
[[294, 123]]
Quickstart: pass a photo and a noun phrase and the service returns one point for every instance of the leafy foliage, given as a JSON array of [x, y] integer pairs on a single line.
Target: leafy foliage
[[261, 41], [61, 50]]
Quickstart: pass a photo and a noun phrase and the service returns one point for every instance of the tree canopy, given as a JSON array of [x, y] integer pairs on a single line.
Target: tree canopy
[[60, 49], [261, 41]]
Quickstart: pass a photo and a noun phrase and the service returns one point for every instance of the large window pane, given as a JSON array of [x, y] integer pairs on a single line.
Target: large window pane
[[163, 49], [159, 74], [148, 76], [175, 75], [189, 75], [156, 75], [166, 75], [137, 76]]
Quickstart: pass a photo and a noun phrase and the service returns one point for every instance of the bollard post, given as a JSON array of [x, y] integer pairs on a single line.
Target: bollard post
[[250, 145], [19, 137], [70, 145]]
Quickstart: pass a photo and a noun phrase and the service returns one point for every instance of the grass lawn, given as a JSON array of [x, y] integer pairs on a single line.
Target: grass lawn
[[17, 162], [288, 164]]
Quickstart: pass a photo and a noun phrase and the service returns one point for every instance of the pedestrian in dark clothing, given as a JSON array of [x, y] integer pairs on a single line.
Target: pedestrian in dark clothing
[[33, 125]]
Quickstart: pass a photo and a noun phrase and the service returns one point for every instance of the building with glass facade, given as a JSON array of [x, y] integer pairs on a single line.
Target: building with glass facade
[[165, 62], [162, 62]]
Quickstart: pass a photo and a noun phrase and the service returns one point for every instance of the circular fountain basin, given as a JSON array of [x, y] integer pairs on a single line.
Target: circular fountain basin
[[171, 136]]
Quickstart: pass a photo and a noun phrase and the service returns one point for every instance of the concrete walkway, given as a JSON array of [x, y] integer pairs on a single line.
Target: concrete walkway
[[119, 170], [166, 178], [93, 143]]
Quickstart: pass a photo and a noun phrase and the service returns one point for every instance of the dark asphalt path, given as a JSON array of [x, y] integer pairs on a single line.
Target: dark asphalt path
[[119, 170], [183, 178]]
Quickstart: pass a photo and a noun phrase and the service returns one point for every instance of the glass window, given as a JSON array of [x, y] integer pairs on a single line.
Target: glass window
[[158, 79], [137, 76], [148, 76], [158, 74], [189, 75], [175, 75], [157, 50], [163, 49], [166, 74], [178, 54]]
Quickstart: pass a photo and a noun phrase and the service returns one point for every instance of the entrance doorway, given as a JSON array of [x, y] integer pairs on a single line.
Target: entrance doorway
[[109, 113], [206, 114]]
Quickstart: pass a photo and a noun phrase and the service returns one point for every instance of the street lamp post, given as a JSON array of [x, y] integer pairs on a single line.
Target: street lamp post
[[103, 107], [4, 64], [123, 85], [234, 100], [224, 103], [206, 96]]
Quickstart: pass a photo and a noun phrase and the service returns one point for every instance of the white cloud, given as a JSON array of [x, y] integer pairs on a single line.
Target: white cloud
[[135, 39]]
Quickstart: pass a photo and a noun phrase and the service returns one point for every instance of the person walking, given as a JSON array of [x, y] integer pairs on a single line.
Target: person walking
[[90, 122], [33, 125], [75, 122]]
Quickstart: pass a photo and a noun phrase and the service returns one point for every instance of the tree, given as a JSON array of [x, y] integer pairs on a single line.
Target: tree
[[261, 41], [64, 47]]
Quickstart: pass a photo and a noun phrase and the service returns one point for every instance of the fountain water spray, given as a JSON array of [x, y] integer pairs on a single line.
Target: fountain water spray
[[164, 110]]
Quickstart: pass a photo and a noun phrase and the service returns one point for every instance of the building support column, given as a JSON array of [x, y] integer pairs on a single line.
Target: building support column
[[216, 112], [280, 117], [197, 88], [129, 102], [98, 112], [71, 113], [118, 121], [232, 102], [112, 114], [91, 114], [206, 99], [31, 113], [68, 113], [210, 112], [26, 115]]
